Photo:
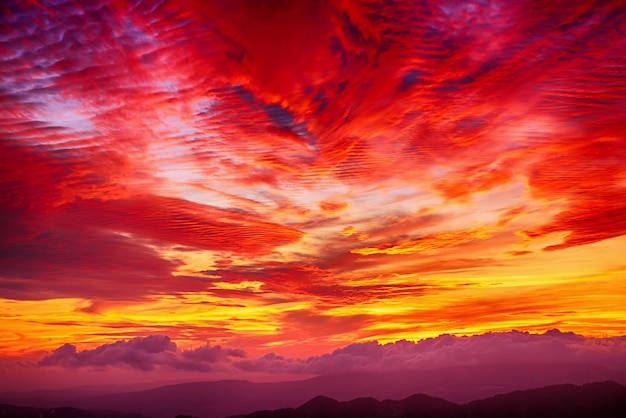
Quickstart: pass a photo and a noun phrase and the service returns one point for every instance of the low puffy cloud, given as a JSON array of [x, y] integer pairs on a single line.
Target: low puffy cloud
[[143, 353], [513, 347], [490, 349]]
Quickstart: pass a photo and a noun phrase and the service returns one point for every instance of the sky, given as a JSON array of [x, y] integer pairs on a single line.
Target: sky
[[226, 186]]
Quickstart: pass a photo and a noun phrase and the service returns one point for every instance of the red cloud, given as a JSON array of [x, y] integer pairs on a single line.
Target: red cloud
[[471, 180], [45, 252], [175, 221], [590, 177], [55, 244], [117, 119]]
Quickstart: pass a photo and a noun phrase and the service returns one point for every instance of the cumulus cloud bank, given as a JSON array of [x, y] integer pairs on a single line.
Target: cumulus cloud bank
[[515, 347], [143, 353]]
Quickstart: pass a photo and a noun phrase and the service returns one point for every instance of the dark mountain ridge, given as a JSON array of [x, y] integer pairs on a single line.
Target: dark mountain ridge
[[230, 397], [15, 411], [593, 400]]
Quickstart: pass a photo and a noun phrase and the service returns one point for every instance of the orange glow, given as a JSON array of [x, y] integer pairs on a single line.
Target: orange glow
[[428, 244], [296, 176]]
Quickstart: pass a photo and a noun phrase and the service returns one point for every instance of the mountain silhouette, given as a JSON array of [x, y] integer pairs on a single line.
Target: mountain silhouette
[[594, 400], [597, 400], [14, 411], [231, 397]]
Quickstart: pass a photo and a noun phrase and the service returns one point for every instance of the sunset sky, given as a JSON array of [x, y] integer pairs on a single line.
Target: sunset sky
[[229, 179]]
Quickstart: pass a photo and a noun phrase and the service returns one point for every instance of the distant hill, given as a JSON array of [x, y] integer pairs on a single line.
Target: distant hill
[[13, 411], [231, 397], [417, 406], [594, 400]]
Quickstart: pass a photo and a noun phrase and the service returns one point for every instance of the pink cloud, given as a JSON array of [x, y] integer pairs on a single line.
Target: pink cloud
[[490, 349], [449, 351], [143, 353]]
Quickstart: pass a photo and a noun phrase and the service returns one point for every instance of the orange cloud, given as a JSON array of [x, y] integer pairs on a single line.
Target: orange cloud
[[332, 207], [471, 180], [428, 243]]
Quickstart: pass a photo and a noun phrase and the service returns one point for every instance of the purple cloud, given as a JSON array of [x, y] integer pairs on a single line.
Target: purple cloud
[[143, 353], [513, 348]]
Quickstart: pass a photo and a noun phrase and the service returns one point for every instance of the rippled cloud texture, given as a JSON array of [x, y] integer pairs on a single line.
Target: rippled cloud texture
[[296, 176]]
